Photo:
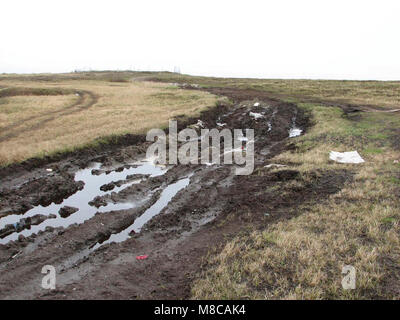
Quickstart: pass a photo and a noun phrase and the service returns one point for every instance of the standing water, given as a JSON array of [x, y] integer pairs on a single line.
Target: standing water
[[81, 199], [166, 195]]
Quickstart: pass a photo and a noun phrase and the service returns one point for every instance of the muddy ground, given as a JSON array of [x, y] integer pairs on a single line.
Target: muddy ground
[[93, 229]]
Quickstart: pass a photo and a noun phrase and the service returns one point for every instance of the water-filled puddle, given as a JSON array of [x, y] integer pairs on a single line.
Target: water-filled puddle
[[81, 199], [166, 195], [294, 130]]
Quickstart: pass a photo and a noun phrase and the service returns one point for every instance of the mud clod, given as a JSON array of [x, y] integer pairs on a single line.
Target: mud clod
[[108, 186], [66, 211], [98, 202]]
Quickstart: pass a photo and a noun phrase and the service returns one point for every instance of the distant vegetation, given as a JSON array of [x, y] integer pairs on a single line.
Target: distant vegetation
[[44, 114]]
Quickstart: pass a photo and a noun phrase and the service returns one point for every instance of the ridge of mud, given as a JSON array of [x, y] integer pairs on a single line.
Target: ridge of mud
[[41, 191]]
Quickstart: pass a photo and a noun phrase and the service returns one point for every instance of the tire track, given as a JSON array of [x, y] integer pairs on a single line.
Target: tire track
[[77, 106]]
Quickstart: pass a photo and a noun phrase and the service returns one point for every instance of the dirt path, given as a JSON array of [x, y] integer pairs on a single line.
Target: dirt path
[[86, 99], [250, 94], [195, 207]]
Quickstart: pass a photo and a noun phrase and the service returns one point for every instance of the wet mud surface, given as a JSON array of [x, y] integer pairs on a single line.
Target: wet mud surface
[[90, 214]]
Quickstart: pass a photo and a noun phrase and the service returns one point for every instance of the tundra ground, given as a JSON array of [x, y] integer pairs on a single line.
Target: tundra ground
[[279, 233]]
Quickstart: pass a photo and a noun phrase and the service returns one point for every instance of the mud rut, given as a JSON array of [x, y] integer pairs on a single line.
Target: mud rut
[[130, 207]]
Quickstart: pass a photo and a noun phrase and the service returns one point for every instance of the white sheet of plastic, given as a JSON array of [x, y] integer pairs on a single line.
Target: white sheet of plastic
[[255, 115], [277, 165], [346, 157], [295, 132]]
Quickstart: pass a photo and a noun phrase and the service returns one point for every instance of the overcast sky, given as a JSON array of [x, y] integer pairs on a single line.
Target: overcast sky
[[331, 39]]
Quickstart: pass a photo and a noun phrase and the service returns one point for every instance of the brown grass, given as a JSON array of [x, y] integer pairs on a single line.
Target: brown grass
[[32, 124], [302, 258], [373, 93]]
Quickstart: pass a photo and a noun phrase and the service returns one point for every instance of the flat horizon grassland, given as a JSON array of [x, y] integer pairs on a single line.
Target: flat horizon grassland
[[41, 117], [380, 94]]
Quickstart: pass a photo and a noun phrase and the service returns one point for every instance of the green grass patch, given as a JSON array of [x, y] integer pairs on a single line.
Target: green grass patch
[[372, 150]]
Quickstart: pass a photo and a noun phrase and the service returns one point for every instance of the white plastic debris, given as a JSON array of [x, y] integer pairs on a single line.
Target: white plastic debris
[[255, 115], [199, 124], [276, 165], [346, 157], [294, 132], [49, 170], [256, 104]]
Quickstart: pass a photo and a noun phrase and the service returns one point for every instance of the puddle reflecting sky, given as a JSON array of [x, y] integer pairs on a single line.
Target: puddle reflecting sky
[[166, 195], [81, 198]]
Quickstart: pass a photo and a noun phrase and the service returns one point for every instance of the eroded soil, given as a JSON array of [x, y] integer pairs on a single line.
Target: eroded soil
[[91, 213]]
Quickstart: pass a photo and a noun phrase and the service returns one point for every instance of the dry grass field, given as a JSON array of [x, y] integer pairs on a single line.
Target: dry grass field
[[39, 118]]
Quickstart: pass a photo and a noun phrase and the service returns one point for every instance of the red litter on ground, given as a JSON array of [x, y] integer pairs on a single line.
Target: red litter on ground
[[141, 257]]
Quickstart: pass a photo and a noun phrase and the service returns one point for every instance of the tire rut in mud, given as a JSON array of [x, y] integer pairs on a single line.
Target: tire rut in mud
[[215, 205]]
